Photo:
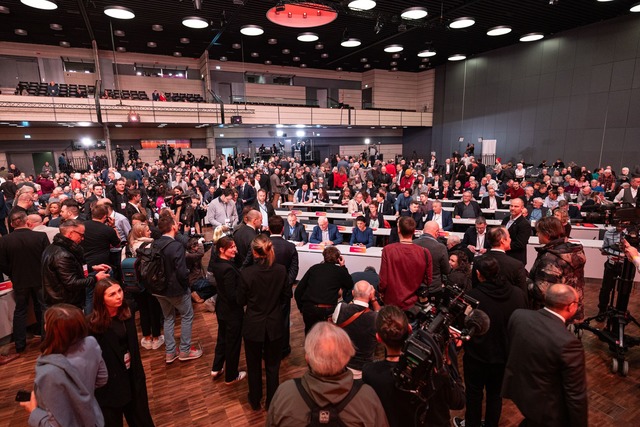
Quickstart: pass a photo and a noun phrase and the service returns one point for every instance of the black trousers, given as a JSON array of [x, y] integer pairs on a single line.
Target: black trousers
[[22, 297], [611, 271], [478, 377], [228, 345], [254, 351], [286, 314], [150, 314], [312, 315]]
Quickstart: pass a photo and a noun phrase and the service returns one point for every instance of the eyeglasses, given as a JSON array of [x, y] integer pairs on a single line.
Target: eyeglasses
[[78, 233]]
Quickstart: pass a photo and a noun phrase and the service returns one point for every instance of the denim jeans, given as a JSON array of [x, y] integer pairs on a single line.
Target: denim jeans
[[181, 303]]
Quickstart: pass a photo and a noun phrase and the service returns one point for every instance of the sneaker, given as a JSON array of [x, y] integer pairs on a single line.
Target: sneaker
[[217, 374], [146, 343], [193, 353], [158, 343], [241, 375], [171, 357]]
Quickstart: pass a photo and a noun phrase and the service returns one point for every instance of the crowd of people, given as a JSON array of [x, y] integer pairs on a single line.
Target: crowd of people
[[70, 243]]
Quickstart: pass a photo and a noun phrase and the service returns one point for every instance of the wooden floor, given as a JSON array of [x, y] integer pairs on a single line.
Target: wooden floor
[[183, 394]]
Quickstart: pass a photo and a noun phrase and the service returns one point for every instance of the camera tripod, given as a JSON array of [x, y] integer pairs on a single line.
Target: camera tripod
[[617, 318]]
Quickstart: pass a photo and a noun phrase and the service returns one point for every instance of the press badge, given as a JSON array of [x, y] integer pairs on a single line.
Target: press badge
[[127, 360]]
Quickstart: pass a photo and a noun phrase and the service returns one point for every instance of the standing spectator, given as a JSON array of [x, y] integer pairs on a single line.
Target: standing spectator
[[177, 295], [68, 371], [519, 230], [263, 289], [460, 273], [404, 268], [244, 235], [113, 326], [20, 259], [260, 204], [439, 255], [545, 372], [277, 187], [222, 210], [485, 356]]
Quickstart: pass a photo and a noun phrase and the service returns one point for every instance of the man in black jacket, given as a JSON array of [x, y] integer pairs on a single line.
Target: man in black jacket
[[177, 295], [295, 231], [485, 357], [64, 272], [20, 259], [519, 230], [247, 231], [246, 192]]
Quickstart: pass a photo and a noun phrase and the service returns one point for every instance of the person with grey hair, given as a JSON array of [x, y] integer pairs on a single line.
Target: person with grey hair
[[545, 374], [537, 211], [327, 383], [34, 222], [358, 319]]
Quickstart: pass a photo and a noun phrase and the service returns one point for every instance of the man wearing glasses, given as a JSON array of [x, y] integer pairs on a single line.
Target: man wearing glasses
[[65, 275]]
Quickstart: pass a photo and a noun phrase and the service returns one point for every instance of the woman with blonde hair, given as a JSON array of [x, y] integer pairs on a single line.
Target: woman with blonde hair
[[263, 289]]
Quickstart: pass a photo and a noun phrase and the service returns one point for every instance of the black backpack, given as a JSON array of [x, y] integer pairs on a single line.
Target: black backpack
[[329, 415], [150, 267]]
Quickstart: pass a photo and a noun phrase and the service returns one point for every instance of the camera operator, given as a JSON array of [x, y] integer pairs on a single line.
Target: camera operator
[[612, 248], [392, 330]]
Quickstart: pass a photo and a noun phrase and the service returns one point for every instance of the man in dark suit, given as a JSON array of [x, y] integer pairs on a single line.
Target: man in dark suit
[[439, 255], [20, 259], [325, 233], [442, 217], [414, 212], [491, 200], [545, 374], [295, 231], [475, 238], [261, 205], [246, 192], [467, 208], [245, 234], [519, 230]]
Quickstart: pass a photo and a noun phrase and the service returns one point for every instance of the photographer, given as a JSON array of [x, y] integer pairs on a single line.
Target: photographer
[[392, 330]]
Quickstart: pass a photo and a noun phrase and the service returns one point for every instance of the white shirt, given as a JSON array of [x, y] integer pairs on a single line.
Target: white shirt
[[480, 240], [336, 312], [437, 218]]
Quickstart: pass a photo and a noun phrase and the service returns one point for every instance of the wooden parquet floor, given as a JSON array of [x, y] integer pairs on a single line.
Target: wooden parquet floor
[[183, 394]]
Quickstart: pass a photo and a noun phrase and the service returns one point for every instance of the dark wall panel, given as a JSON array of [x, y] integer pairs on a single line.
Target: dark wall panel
[[575, 96]]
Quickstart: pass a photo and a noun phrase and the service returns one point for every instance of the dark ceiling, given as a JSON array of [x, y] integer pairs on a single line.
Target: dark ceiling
[[524, 16]]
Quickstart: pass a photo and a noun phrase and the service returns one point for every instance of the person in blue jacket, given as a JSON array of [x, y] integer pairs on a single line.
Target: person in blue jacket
[[362, 235], [325, 233]]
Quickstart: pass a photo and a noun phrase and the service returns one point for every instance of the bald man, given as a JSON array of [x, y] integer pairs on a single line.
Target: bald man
[[34, 222], [519, 230], [439, 254], [358, 319], [251, 226]]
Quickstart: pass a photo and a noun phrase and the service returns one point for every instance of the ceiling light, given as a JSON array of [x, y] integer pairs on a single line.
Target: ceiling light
[[303, 65], [27, 136], [457, 57], [157, 27], [339, 69], [296, 58], [118, 33], [119, 12], [367, 65], [84, 124], [500, 30], [236, 45], [151, 44], [177, 54], [252, 30], [422, 66], [393, 48], [463, 22], [324, 55], [40, 4], [319, 46], [286, 51], [635, 8], [4, 9], [122, 49], [361, 4], [394, 69], [195, 22], [395, 55], [426, 53], [350, 43], [267, 62], [65, 44], [414, 13], [531, 37], [308, 37], [272, 41], [254, 54], [393, 63], [20, 32], [363, 59], [184, 40], [133, 117], [55, 27], [223, 58], [425, 59]]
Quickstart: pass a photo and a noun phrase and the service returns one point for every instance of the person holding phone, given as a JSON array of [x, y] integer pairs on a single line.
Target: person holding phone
[[68, 371]]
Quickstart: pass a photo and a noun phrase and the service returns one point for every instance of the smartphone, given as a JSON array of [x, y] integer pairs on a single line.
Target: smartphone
[[23, 396]]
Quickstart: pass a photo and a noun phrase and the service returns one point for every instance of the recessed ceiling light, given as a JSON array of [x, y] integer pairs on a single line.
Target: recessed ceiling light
[[223, 58], [55, 27], [393, 63], [267, 62], [296, 58], [361, 4], [457, 57], [500, 30], [65, 44], [303, 65], [41, 4], [324, 55], [27, 136], [425, 59], [350, 43], [272, 41], [363, 59], [604, 1], [252, 30], [426, 53], [414, 13], [463, 22], [367, 65], [236, 45], [254, 54], [218, 67], [177, 54], [286, 51], [308, 37], [122, 49], [151, 44], [319, 46], [531, 37], [394, 69], [635, 8], [119, 12], [195, 22], [118, 33], [4, 9], [339, 69], [157, 27], [184, 40], [20, 32], [422, 66], [393, 48]]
